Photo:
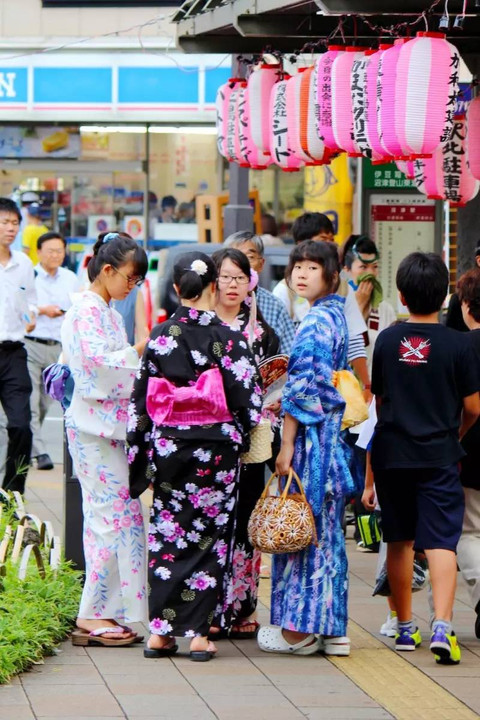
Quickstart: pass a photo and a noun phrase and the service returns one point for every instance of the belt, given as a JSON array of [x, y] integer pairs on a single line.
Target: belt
[[42, 341]]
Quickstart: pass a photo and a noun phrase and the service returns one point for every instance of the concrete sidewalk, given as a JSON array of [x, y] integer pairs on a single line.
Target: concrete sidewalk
[[242, 682]]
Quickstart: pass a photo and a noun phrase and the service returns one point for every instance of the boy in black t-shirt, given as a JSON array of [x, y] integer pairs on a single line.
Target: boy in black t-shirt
[[426, 384]]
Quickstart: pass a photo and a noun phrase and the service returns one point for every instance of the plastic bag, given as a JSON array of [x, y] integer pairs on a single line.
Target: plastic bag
[[420, 573]]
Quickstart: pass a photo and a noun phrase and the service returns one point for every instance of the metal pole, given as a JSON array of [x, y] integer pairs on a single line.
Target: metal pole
[[72, 513], [146, 200], [238, 213]]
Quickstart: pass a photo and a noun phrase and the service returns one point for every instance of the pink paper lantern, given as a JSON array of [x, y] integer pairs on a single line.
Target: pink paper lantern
[[293, 117], [310, 142], [221, 106], [358, 88], [342, 101], [473, 137], [280, 137], [260, 84], [379, 153], [446, 175], [386, 96], [425, 89], [323, 95], [233, 150], [250, 154], [459, 185]]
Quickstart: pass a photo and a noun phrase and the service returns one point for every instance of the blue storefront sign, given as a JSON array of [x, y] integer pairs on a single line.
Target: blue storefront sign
[[13, 85]]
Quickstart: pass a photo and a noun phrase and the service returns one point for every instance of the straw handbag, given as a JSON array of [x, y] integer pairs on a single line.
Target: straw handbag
[[260, 443], [282, 524], [356, 410]]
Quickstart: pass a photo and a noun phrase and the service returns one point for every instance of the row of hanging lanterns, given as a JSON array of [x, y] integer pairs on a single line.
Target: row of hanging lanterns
[[391, 104]]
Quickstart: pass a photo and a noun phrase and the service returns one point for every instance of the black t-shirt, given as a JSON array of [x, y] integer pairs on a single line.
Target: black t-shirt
[[454, 317], [421, 372], [470, 475]]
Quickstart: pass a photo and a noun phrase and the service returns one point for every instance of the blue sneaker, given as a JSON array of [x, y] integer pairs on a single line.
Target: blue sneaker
[[406, 641], [445, 647]]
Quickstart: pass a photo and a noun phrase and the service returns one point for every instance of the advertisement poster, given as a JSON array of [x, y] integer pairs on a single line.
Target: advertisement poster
[[98, 224], [134, 225], [39, 142]]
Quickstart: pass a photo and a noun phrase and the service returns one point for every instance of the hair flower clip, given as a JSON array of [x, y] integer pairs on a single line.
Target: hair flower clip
[[199, 267]]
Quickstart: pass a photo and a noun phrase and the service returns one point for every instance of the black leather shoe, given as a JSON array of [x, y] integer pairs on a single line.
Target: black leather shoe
[[477, 620], [44, 462]]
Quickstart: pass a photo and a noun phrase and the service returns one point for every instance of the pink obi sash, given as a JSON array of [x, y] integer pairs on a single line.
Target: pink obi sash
[[203, 403]]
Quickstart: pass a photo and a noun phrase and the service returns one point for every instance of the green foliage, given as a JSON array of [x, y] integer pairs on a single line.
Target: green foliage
[[35, 613]]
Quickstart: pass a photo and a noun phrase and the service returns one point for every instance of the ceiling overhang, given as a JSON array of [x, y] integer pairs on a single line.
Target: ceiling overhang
[[257, 26]]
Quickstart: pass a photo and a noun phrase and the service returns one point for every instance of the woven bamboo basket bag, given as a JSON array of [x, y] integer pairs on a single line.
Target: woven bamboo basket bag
[[282, 523]]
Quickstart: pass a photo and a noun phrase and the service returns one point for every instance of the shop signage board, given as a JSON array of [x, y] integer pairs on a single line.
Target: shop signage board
[[118, 87], [386, 176]]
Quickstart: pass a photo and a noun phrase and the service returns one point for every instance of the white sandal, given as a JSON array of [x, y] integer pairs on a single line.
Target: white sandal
[[270, 639], [336, 646]]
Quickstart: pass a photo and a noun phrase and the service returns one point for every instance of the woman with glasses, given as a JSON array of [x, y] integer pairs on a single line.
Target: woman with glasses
[[103, 366], [196, 397], [235, 305]]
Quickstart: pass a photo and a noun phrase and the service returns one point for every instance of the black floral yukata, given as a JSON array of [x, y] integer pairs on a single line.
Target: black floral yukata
[[194, 470]]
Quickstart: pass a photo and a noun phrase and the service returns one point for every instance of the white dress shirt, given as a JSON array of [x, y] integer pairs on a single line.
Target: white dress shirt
[[18, 300], [53, 290]]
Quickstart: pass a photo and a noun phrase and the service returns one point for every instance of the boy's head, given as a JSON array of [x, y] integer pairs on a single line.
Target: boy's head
[[468, 291], [422, 281], [312, 226]]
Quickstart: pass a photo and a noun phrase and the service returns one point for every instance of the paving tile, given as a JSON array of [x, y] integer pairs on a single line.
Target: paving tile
[[123, 685], [320, 697], [19, 712], [12, 694], [62, 675], [270, 705], [346, 713], [167, 708], [58, 701]]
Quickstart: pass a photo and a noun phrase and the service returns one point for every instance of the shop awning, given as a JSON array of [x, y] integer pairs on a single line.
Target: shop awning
[[256, 26]]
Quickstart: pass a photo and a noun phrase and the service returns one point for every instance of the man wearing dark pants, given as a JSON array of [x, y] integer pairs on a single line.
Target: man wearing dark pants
[[17, 315]]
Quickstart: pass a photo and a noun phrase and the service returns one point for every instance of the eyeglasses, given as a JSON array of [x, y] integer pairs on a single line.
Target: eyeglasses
[[138, 281], [228, 279]]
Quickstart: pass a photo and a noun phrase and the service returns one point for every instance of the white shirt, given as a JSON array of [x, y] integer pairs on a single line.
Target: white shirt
[[18, 299], [53, 290], [298, 307]]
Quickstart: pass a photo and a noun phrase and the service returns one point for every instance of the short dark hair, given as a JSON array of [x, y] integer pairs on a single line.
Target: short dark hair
[[236, 256], [190, 283], [168, 201], [51, 235], [116, 249], [323, 253], [7, 205], [468, 291], [310, 224], [357, 245], [269, 225], [422, 279]]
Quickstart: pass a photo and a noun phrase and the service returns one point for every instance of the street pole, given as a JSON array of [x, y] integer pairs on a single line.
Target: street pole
[[72, 514]]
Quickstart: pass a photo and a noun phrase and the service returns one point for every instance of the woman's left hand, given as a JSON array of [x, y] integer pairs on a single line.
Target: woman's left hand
[[284, 459], [274, 407]]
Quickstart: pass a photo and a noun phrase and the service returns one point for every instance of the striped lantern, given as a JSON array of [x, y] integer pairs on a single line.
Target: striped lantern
[[293, 92], [260, 84], [323, 95], [473, 137], [280, 138], [233, 127], [342, 101], [221, 106], [425, 90], [310, 142], [250, 154], [386, 94], [379, 153], [446, 175], [358, 88]]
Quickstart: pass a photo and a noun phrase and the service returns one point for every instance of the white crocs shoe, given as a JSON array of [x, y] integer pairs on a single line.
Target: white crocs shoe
[[335, 646], [270, 639]]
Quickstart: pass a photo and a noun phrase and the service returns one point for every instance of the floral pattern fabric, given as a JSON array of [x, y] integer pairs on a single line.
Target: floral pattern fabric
[[194, 470], [103, 366], [310, 588]]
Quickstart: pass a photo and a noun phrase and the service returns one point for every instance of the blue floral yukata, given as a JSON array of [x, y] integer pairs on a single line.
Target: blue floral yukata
[[194, 469], [310, 588]]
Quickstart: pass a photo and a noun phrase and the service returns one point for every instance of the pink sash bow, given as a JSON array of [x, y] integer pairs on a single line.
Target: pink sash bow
[[202, 403]]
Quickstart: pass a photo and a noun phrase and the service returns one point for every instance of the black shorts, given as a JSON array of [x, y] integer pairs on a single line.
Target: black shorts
[[425, 505]]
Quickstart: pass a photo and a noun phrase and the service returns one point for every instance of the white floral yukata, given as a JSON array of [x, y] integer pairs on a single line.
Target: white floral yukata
[[194, 467], [103, 366]]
